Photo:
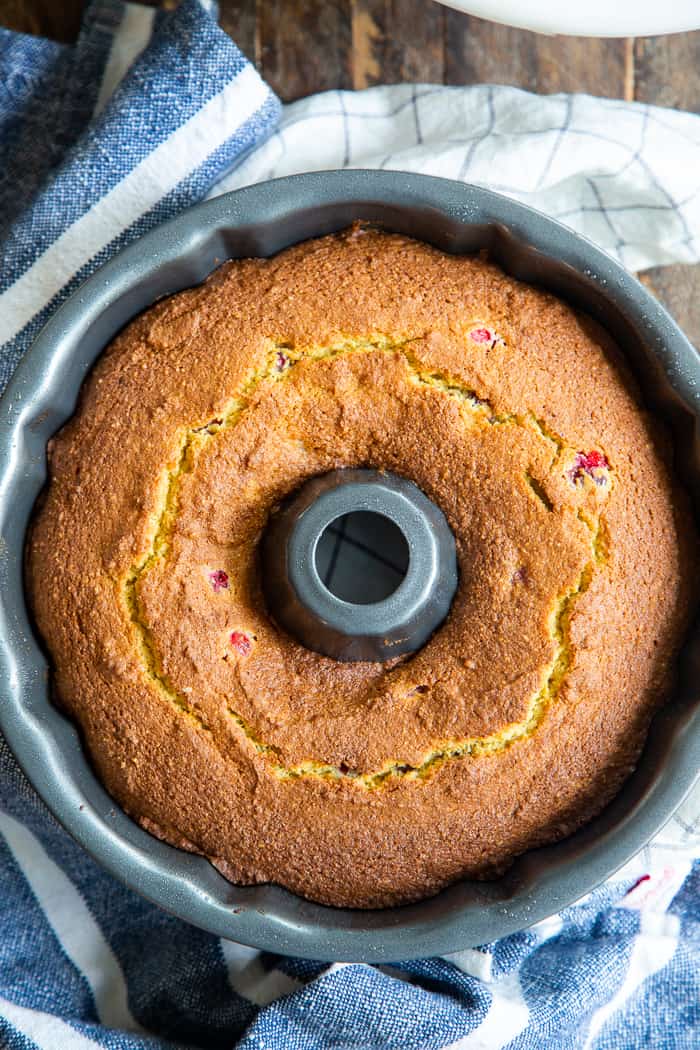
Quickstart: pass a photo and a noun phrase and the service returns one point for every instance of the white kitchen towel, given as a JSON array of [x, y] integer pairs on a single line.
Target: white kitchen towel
[[624, 174]]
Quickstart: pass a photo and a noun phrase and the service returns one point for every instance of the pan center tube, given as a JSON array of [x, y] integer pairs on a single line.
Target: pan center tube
[[359, 565]]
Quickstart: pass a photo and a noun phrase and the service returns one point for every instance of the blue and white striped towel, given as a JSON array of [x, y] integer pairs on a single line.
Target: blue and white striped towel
[[105, 139]]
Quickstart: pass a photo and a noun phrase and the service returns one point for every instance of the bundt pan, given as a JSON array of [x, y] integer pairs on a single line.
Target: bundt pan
[[259, 221]]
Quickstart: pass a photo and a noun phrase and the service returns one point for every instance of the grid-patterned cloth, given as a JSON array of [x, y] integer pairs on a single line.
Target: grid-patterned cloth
[[624, 174], [91, 157]]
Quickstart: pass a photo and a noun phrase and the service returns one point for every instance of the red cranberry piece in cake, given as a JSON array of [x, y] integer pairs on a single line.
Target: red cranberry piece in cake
[[241, 642], [482, 335], [485, 336], [219, 580], [593, 464]]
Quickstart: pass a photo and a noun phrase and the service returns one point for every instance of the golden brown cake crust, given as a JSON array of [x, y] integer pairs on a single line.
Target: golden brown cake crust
[[361, 784]]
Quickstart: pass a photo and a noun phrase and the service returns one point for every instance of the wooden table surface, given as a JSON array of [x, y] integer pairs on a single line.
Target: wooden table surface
[[303, 46]]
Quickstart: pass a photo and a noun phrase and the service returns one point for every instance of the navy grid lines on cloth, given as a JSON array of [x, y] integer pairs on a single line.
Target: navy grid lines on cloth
[[595, 163]]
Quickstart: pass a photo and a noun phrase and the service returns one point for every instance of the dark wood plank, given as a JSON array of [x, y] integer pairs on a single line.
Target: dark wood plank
[[678, 288], [667, 70], [483, 52], [397, 41], [59, 21], [305, 46], [239, 19], [667, 73]]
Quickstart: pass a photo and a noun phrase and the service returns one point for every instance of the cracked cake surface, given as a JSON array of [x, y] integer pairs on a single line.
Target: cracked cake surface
[[362, 784]]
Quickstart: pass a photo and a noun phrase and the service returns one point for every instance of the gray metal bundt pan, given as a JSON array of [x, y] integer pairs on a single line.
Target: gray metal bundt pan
[[260, 220]]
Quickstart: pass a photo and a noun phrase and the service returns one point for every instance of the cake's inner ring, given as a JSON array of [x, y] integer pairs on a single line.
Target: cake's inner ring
[[524, 505]]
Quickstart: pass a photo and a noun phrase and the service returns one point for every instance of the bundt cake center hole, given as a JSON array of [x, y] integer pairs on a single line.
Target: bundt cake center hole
[[359, 565], [362, 557]]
